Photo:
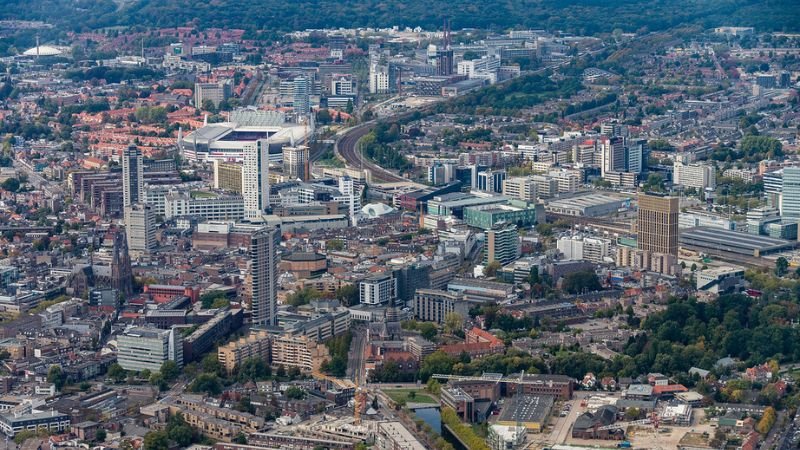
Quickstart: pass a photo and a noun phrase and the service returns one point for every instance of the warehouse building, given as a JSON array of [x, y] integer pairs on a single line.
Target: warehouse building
[[719, 242], [590, 205], [530, 411]]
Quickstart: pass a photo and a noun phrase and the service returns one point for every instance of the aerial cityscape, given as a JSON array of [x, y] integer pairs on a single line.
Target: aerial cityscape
[[466, 225]]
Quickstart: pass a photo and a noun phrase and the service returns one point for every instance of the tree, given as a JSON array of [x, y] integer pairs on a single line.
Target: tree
[[156, 379], [117, 373], [208, 105], [348, 295], [156, 440], [428, 330], [295, 393], [253, 369], [55, 376], [491, 269], [781, 266], [324, 117], [206, 382], [582, 281], [170, 370], [767, 420], [240, 438], [303, 296], [453, 322], [436, 362], [11, 185], [100, 436], [433, 386]]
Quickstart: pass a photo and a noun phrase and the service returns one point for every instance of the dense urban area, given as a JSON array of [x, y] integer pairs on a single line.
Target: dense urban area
[[399, 225]]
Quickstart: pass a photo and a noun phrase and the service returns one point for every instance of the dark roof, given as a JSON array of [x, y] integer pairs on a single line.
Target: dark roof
[[303, 256], [605, 415]]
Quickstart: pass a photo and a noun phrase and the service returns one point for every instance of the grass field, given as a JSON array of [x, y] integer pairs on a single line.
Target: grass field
[[401, 395]]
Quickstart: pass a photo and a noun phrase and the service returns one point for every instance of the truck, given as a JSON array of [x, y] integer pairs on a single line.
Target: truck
[[624, 444]]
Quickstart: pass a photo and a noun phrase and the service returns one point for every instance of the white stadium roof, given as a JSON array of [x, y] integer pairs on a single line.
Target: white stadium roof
[[42, 50]]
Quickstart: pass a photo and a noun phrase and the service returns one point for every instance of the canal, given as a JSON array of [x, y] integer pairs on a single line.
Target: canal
[[433, 418]]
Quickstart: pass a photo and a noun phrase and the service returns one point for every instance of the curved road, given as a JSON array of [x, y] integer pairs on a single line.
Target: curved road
[[347, 148]]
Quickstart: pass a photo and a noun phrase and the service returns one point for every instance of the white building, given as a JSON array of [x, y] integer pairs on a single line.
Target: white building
[[378, 290], [255, 179], [148, 348], [522, 188], [140, 227], [503, 437], [223, 207], [695, 175], [379, 79]]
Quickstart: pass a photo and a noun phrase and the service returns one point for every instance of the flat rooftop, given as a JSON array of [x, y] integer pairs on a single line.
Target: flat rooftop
[[733, 241], [585, 201], [527, 408]]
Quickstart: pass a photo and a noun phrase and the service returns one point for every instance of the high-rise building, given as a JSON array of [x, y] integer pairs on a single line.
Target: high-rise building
[[790, 194], [228, 176], [657, 223], [216, 93], [613, 155], [502, 244], [378, 290], [522, 188], [261, 284], [296, 164], [148, 348], [491, 180], [348, 189], [132, 176], [140, 224], [301, 95], [696, 175], [433, 305], [255, 178], [635, 156]]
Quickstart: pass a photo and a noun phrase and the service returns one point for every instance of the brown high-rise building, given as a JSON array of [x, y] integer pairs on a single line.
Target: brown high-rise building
[[658, 223]]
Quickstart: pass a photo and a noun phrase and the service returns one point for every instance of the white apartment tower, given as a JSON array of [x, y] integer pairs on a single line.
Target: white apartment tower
[[255, 179]]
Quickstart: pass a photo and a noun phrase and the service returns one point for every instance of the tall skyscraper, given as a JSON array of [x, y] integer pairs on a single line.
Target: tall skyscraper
[[296, 164], [132, 176], [790, 194], [502, 244], [348, 189], [140, 224], [255, 179], [301, 95], [261, 284], [658, 223], [613, 155]]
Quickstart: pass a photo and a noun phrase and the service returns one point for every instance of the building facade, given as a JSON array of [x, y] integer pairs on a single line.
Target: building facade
[[657, 223]]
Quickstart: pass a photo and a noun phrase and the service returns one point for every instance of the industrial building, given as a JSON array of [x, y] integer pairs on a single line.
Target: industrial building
[[530, 411], [590, 205], [731, 243]]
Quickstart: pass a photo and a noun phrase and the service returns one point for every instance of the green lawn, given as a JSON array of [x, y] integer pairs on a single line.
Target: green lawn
[[400, 395], [203, 194]]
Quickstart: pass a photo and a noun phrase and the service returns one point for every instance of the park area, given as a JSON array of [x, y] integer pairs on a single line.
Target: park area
[[404, 396]]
